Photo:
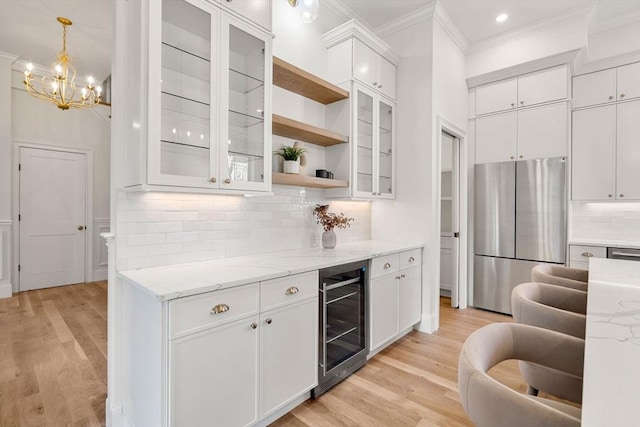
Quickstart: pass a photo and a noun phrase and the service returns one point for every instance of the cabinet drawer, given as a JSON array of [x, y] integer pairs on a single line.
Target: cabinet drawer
[[583, 253], [385, 265], [282, 291], [196, 313], [411, 258]]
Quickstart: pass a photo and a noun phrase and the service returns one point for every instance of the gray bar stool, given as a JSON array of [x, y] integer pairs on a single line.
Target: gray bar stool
[[559, 275]]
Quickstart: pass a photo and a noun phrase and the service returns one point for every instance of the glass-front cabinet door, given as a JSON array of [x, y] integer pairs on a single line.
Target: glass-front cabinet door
[[385, 149], [364, 150], [245, 160], [182, 146], [373, 162]]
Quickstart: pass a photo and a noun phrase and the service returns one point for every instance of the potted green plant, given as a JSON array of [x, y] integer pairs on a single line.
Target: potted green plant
[[291, 156]]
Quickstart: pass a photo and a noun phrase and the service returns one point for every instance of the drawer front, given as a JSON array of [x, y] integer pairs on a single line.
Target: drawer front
[[285, 290], [579, 264], [410, 258], [199, 312], [385, 265], [583, 253]]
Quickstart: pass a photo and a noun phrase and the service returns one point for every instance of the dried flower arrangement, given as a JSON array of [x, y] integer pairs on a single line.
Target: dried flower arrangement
[[330, 220]]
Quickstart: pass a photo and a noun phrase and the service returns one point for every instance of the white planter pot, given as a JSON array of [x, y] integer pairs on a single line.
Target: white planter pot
[[292, 166]]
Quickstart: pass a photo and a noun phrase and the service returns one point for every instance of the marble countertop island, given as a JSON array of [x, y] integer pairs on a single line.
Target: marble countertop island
[[611, 390], [180, 280]]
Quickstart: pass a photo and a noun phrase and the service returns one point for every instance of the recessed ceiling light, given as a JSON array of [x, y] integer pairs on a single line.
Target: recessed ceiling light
[[502, 17]]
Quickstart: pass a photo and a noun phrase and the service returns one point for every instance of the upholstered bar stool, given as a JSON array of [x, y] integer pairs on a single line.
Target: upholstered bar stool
[[559, 275], [555, 308], [489, 403]]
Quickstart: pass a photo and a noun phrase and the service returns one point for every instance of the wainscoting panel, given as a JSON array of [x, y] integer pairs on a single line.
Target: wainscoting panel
[[5, 259], [100, 254]]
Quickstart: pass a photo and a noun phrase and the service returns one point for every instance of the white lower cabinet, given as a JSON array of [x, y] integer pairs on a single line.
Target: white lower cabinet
[[213, 376], [395, 296], [242, 371], [579, 255], [288, 346]]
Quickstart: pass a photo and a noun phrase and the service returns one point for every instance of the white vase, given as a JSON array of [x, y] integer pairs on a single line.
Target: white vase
[[329, 239], [291, 166]]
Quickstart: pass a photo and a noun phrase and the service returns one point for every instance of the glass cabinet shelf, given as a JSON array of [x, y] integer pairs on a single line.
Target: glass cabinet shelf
[[243, 83]]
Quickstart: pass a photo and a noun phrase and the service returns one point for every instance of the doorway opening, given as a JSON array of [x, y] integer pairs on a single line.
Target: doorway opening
[[449, 216]]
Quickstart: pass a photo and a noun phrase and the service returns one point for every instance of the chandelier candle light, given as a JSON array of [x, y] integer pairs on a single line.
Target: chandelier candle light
[[60, 88]]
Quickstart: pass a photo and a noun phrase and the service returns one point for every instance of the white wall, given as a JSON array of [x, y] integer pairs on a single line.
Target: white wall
[[614, 42], [5, 175], [564, 37]]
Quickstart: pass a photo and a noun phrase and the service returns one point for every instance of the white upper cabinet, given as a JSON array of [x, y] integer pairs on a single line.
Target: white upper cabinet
[[499, 96], [628, 84], [542, 131], [594, 88], [354, 53], [373, 70], [543, 86], [614, 84], [206, 100], [539, 87], [258, 11], [496, 138], [628, 151]]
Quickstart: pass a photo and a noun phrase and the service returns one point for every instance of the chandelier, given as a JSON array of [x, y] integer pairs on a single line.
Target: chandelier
[[60, 87], [308, 9]]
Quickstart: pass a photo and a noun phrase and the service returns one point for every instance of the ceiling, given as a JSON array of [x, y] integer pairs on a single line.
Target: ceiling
[[28, 28]]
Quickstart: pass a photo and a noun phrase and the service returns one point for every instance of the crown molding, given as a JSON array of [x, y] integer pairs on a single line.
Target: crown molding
[[527, 67], [603, 64], [450, 28], [38, 70], [618, 21], [580, 12], [8, 56], [354, 29], [341, 10], [419, 15]]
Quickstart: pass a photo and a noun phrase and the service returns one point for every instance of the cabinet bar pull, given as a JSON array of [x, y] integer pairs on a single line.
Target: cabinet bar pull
[[629, 254], [412, 259], [587, 254], [386, 265], [292, 290], [220, 308]]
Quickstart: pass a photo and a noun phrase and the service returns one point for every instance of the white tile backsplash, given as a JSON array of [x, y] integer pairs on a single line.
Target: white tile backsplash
[[605, 221], [155, 229]]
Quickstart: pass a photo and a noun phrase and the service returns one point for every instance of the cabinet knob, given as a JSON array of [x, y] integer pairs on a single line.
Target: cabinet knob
[[268, 321], [521, 102], [292, 290], [521, 156], [375, 83], [622, 95], [609, 195], [610, 98], [587, 254], [379, 86], [402, 276], [398, 277], [412, 259], [213, 179], [81, 227], [253, 325], [513, 104], [621, 195], [373, 194], [386, 266], [227, 181], [220, 308], [512, 157]]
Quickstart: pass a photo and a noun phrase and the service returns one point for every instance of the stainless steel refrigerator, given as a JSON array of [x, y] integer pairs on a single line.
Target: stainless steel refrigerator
[[520, 221]]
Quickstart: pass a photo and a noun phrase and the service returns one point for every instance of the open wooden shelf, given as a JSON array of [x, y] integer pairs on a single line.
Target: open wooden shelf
[[307, 181], [294, 129], [296, 80]]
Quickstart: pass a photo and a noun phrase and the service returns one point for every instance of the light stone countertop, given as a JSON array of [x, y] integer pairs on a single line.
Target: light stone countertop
[[180, 280], [607, 243], [611, 388]]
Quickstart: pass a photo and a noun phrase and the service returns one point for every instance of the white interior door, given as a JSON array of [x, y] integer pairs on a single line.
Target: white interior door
[[52, 218]]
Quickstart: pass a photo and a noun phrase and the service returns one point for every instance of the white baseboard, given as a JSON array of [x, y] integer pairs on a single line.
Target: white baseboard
[[114, 417], [428, 324], [5, 290]]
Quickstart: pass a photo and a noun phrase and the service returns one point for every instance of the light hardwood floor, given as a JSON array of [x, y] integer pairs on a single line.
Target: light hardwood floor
[[53, 356], [53, 368]]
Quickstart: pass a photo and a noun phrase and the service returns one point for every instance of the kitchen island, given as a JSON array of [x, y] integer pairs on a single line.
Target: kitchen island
[[611, 390]]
